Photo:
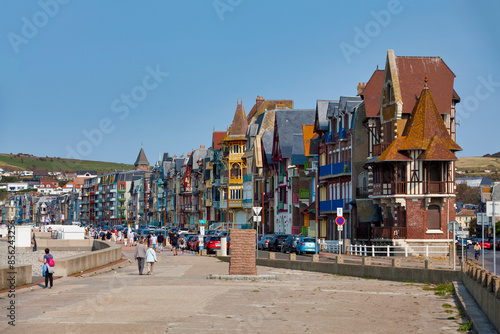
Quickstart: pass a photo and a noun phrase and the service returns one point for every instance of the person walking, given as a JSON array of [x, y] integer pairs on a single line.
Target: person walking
[[174, 241], [477, 250], [154, 240], [48, 268], [150, 259], [182, 244], [140, 255], [160, 242]]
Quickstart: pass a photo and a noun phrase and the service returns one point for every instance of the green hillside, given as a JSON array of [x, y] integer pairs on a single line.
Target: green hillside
[[21, 161]]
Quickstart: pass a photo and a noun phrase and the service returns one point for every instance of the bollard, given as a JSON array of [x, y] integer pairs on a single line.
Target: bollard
[[496, 287], [483, 278], [218, 252], [367, 261], [203, 252], [489, 282], [292, 257], [396, 263], [315, 258], [428, 264], [272, 256], [340, 259]]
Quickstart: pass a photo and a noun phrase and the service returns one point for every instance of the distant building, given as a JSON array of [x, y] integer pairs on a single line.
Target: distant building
[[475, 182], [142, 162], [464, 217]]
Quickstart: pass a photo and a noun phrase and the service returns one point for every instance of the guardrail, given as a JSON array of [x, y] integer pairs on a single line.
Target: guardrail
[[364, 250]]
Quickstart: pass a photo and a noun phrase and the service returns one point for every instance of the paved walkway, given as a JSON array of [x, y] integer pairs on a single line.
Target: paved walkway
[[179, 299]]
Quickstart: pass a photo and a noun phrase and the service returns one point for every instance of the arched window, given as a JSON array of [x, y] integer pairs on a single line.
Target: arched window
[[235, 171]]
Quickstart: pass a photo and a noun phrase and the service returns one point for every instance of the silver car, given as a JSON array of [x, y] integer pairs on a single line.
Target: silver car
[[263, 242]]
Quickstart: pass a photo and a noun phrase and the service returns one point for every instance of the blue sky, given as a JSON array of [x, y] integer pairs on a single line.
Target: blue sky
[[95, 79]]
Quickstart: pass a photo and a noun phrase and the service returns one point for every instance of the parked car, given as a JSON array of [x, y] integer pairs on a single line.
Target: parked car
[[290, 243], [488, 244], [212, 243], [277, 241], [306, 245], [498, 245], [264, 241]]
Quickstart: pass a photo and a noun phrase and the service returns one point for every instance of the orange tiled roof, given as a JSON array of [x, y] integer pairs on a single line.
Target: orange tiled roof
[[392, 153], [425, 122], [425, 130]]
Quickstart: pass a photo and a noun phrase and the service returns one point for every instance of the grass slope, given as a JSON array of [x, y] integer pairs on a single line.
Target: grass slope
[[478, 164], [28, 162]]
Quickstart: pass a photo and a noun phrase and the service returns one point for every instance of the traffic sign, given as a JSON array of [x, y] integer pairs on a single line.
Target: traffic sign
[[450, 226], [489, 208], [340, 221], [340, 228], [202, 230], [462, 234], [340, 212], [203, 221], [257, 219], [256, 210]]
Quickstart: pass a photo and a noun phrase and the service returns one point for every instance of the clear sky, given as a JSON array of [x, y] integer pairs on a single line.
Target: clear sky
[[94, 79]]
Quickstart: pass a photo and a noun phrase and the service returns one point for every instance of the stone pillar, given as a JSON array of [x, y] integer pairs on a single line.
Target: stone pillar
[[292, 257], [428, 264], [396, 262], [367, 261], [340, 258], [315, 258], [496, 287], [242, 252], [272, 256]]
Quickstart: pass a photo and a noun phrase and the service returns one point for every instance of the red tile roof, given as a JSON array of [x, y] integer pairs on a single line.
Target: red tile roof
[[411, 71], [372, 93], [217, 138]]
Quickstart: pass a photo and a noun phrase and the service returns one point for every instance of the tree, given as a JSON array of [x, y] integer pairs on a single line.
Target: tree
[[467, 194], [472, 226]]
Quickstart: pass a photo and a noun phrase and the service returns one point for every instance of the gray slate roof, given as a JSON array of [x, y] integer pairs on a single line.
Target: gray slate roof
[[289, 122], [321, 113], [267, 142]]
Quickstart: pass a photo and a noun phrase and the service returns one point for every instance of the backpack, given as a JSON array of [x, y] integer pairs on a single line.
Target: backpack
[[51, 261]]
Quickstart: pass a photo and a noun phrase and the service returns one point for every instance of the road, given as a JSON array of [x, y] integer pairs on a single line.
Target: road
[[488, 258], [179, 298]]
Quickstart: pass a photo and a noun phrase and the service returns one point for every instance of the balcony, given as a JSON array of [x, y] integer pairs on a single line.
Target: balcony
[[330, 138], [342, 133], [216, 205], [247, 201], [362, 192], [247, 177], [338, 169], [389, 232], [122, 208], [303, 193], [208, 202], [121, 199], [333, 204], [122, 190], [379, 148]]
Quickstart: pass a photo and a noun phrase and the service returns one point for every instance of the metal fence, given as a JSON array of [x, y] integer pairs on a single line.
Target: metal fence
[[364, 250]]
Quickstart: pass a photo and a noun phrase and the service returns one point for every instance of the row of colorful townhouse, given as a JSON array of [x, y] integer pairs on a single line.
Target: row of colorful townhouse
[[385, 156]]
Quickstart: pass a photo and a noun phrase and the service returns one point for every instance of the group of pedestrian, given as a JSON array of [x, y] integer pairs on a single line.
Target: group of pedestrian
[[145, 254]]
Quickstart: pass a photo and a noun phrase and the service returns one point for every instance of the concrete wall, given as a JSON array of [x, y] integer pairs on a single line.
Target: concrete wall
[[391, 273], [65, 245], [42, 235], [22, 276], [485, 288], [104, 253]]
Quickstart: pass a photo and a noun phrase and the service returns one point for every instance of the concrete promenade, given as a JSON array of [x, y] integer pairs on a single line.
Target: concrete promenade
[[178, 299]]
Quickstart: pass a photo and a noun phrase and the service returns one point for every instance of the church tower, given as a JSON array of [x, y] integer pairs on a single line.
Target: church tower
[[142, 162]]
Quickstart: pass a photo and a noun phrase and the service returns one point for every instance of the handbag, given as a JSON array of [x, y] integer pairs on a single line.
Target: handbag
[[50, 269]]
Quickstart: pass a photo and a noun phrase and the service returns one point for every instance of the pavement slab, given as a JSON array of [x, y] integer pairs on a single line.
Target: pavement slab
[[178, 298]]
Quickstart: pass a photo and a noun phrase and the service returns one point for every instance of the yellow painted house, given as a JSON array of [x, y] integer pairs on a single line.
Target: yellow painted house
[[233, 144]]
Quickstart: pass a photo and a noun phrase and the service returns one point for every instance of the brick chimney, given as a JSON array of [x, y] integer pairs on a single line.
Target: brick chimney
[[361, 86], [259, 101]]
